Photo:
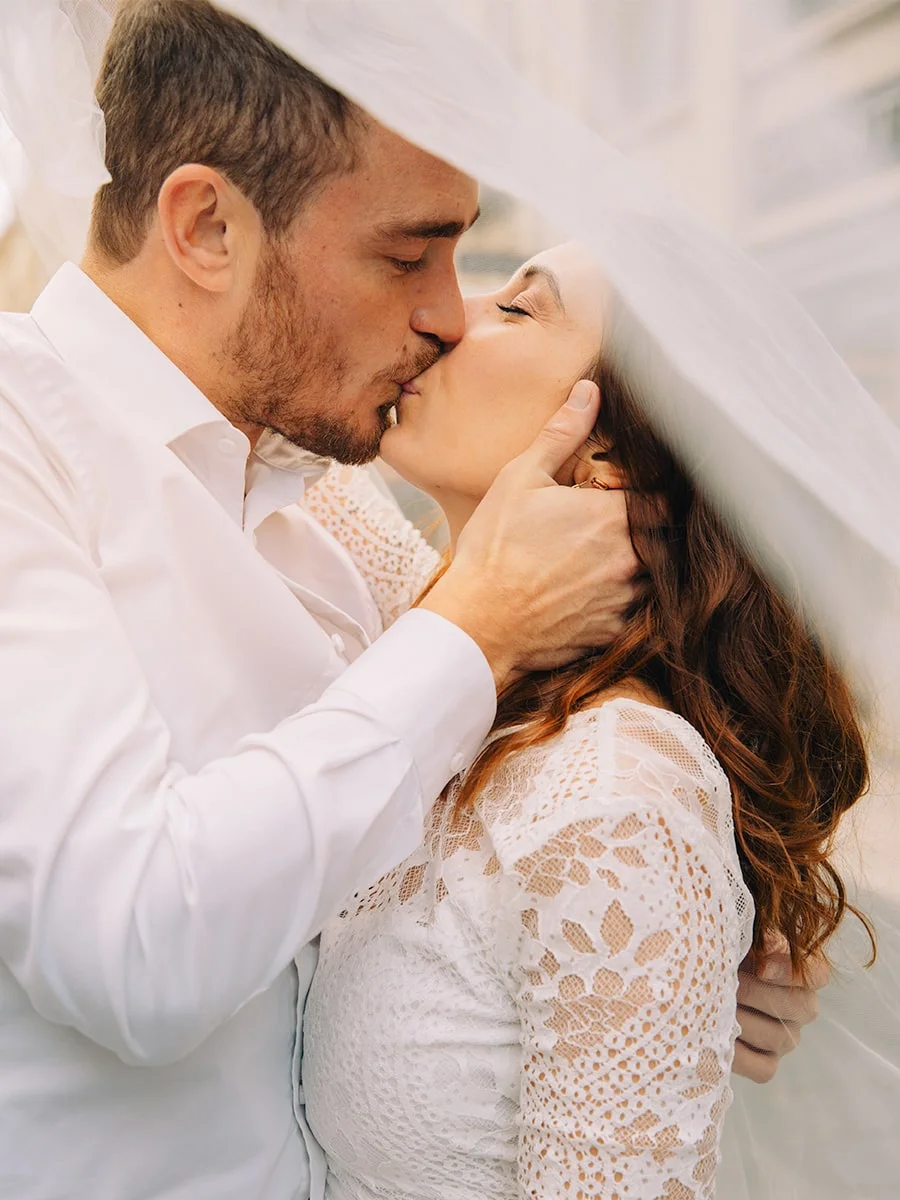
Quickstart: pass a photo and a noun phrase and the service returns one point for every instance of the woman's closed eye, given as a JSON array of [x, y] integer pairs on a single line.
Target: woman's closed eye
[[514, 310]]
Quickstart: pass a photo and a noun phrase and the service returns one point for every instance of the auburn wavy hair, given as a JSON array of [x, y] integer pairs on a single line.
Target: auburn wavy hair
[[723, 649]]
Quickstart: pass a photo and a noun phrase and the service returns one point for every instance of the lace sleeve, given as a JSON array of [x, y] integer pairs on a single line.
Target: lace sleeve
[[625, 977], [389, 552]]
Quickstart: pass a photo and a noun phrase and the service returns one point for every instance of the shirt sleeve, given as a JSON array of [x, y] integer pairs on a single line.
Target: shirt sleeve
[[389, 552], [141, 904], [625, 979]]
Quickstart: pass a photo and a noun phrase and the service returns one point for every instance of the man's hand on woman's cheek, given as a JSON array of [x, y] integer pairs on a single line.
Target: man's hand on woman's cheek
[[542, 574], [773, 1007]]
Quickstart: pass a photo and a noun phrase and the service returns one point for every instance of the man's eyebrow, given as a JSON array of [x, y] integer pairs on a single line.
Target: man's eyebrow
[[426, 230], [550, 278]]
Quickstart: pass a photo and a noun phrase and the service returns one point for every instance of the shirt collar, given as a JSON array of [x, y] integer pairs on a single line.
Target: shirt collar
[[278, 473], [106, 349]]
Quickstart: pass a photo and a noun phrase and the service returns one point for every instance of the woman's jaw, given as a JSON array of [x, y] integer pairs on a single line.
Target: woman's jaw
[[486, 400], [412, 446]]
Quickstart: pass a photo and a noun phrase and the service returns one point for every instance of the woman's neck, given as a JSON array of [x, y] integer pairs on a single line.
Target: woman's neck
[[457, 510]]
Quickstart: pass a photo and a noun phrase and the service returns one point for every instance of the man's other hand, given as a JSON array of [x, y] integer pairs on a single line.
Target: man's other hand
[[773, 1007]]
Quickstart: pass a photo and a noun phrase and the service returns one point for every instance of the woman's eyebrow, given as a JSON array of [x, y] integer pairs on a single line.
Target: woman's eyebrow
[[550, 278]]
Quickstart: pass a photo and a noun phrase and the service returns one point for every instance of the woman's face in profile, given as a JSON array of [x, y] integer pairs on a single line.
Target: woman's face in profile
[[486, 400]]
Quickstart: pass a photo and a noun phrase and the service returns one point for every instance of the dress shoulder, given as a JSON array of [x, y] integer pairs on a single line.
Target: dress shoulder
[[623, 922], [622, 757]]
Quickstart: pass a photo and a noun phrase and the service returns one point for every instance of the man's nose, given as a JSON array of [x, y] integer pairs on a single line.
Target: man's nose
[[442, 316]]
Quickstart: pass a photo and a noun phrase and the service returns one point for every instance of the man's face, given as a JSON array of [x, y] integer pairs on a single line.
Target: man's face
[[358, 298]]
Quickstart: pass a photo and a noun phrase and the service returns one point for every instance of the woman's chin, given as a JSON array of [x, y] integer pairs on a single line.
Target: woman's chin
[[398, 451], [424, 462]]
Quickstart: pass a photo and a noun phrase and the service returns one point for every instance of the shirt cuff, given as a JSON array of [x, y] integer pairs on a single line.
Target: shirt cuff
[[430, 684]]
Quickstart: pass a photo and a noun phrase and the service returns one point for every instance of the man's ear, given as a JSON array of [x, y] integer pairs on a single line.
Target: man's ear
[[209, 228]]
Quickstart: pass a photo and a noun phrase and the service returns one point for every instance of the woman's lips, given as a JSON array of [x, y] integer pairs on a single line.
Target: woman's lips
[[410, 388]]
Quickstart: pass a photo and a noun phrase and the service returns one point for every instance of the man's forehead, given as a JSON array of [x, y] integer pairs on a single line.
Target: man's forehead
[[379, 143], [389, 159], [400, 191]]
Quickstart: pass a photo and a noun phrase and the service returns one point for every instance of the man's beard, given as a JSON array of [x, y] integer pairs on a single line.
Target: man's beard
[[286, 366]]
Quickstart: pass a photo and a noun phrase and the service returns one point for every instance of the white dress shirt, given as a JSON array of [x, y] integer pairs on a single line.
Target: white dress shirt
[[186, 792]]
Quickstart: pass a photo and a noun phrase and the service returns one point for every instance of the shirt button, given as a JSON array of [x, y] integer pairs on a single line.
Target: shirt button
[[339, 644], [458, 763]]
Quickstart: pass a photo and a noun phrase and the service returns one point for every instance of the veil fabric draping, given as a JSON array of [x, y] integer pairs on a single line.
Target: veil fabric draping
[[734, 373]]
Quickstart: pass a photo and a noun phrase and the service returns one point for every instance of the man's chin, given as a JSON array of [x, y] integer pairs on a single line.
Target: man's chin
[[350, 449], [352, 453]]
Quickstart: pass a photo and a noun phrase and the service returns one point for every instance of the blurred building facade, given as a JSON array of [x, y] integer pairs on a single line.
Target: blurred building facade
[[778, 120]]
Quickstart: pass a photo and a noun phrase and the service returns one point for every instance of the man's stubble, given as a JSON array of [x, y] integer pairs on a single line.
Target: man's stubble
[[287, 370]]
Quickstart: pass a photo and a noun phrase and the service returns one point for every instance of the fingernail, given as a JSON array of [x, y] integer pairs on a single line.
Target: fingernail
[[581, 394]]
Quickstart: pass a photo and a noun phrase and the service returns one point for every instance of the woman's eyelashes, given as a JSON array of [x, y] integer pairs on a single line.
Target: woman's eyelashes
[[514, 310]]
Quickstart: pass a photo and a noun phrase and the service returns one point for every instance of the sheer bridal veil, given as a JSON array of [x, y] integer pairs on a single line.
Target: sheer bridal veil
[[733, 371]]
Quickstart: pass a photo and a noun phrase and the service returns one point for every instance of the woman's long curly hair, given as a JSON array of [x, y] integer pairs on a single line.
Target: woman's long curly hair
[[723, 649]]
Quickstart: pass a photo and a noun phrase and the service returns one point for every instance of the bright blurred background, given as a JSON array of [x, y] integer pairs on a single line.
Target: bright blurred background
[[778, 120]]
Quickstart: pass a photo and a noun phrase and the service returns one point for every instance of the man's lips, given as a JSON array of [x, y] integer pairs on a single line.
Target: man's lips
[[409, 387]]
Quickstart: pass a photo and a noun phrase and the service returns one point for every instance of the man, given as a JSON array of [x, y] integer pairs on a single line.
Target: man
[[204, 753]]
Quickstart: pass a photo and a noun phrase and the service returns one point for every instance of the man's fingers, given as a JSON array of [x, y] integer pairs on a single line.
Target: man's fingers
[[565, 432], [766, 1035], [796, 1005], [754, 1065], [776, 943], [819, 973], [777, 968]]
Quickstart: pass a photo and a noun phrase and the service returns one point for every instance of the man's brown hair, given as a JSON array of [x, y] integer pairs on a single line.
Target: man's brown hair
[[183, 82]]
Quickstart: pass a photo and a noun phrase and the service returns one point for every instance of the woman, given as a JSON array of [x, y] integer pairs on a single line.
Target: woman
[[541, 1000]]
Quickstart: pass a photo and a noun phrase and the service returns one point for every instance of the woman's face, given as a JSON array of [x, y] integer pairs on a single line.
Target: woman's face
[[487, 399]]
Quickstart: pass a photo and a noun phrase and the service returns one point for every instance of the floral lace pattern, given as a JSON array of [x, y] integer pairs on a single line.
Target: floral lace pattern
[[391, 554], [540, 1002]]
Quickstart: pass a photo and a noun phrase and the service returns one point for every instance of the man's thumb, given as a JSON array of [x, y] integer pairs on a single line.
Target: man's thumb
[[567, 430]]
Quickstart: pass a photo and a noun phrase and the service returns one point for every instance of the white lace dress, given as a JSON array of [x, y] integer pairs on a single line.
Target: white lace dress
[[540, 1002]]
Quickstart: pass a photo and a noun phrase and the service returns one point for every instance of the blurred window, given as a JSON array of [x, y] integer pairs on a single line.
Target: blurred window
[[829, 149], [799, 10], [883, 120], [493, 248], [506, 24], [859, 314], [643, 45]]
